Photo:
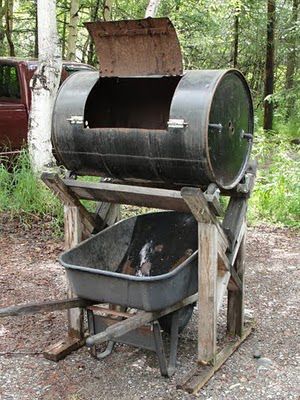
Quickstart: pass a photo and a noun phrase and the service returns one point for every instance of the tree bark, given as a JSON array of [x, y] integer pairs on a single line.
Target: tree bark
[[152, 8], [36, 34], [107, 10], [235, 39], [73, 30], [94, 15], [2, 31], [291, 59], [9, 8], [64, 29], [269, 66], [44, 85]]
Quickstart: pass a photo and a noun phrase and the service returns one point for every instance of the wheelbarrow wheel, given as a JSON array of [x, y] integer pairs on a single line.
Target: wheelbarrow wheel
[[184, 316]]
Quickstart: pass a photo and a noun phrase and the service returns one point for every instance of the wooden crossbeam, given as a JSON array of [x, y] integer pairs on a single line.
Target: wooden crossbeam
[[132, 195], [69, 199], [197, 203], [201, 374]]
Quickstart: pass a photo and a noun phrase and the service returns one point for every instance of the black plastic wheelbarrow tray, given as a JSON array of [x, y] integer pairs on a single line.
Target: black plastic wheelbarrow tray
[[148, 262]]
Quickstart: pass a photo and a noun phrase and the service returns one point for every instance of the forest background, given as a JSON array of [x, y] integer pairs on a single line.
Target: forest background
[[259, 37]]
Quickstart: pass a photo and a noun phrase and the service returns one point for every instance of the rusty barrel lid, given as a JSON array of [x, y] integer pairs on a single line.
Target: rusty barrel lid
[[136, 47]]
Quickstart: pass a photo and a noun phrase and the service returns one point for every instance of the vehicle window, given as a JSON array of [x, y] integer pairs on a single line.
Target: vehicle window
[[9, 82]]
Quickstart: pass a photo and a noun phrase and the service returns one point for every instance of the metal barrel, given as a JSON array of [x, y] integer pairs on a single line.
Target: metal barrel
[[190, 129]]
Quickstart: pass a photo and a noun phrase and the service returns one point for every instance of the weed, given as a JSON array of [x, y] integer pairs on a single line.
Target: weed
[[23, 194], [276, 198]]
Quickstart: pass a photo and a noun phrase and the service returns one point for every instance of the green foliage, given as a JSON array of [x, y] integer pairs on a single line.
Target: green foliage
[[276, 198], [22, 193]]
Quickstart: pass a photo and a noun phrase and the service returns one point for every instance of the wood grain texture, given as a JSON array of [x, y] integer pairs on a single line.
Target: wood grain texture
[[235, 306], [135, 321], [46, 306], [200, 375], [73, 236], [207, 292], [68, 198], [132, 195]]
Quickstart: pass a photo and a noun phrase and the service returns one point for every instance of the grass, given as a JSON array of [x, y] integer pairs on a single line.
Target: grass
[[276, 198], [23, 194]]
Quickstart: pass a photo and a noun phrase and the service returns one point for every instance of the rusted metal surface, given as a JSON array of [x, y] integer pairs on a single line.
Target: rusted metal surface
[[159, 129], [137, 47]]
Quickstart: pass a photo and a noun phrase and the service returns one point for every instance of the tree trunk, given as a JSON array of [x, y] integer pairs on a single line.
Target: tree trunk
[[36, 34], [9, 9], [152, 8], [291, 59], [73, 30], [94, 15], [64, 28], [107, 9], [2, 31], [235, 39], [44, 85], [269, 66]]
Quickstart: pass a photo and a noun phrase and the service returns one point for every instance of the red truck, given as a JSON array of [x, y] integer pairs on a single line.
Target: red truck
[[15, 98]]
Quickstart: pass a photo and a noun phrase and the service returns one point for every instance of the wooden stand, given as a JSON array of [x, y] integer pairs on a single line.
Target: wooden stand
[[221, 256]]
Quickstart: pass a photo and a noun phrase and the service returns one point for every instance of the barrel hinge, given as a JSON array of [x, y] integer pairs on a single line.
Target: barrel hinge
[[177, 123], [75, 119]]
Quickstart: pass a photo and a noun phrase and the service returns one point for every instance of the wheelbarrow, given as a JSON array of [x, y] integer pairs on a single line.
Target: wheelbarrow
[[148, 263]]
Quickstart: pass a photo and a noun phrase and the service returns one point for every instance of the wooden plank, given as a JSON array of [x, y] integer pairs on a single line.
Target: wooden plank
[[46, 306], [197, 378], [107, 214], [137, 320], [61, 349], [207, 292], [235, 306], [110, 311], [68, 198], [73, 236], [198, 205], [232, 256], [222, 283], [75, 338], [200, 209], [212, 196], [131, 195], [234, 218]]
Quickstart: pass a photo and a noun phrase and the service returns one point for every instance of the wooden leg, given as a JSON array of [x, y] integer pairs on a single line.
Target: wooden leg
[[75, 338], [73, 236], [207, 292], [199, 376], [235, 307]]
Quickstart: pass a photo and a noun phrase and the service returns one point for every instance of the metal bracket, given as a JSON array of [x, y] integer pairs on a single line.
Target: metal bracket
[[244, 187], [75, 119], [212, 195], [177, 123]]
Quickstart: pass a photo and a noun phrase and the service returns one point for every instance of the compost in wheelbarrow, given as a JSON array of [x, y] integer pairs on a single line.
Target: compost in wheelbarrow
[[147, 262]]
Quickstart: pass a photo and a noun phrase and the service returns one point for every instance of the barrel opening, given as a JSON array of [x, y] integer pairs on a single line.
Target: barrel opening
[[139, 102]]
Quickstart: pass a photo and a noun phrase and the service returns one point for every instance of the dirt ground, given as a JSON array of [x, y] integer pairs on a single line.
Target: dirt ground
[[29, 272]]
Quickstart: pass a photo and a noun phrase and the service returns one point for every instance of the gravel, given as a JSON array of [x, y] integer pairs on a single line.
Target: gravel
[[265, 366]]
